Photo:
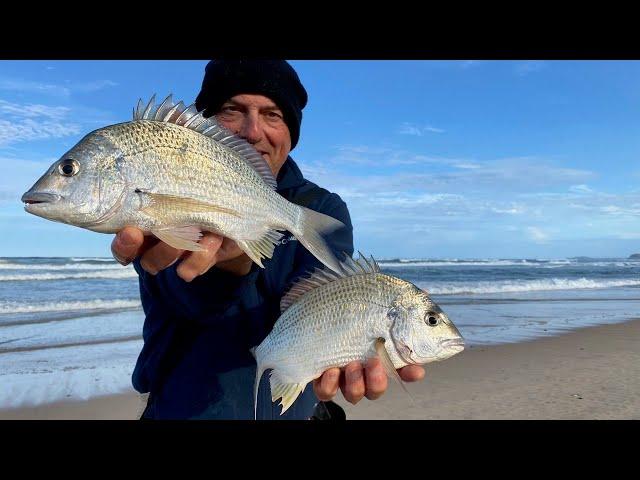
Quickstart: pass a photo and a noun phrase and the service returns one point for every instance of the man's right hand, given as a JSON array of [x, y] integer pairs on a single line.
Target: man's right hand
[[130, 243]]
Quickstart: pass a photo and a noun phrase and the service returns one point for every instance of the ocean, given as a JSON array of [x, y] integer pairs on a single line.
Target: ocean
[[70, 328]]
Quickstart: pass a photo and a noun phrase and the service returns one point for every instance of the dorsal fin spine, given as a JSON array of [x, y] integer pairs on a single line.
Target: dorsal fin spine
[[190, 118], [323, 276]]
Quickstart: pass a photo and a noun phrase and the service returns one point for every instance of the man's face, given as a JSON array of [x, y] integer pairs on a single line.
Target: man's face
[[258, 120]]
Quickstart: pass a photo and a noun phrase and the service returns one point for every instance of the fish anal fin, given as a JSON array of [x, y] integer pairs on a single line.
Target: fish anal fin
[[182, 238], [262, 247], [288, 392]]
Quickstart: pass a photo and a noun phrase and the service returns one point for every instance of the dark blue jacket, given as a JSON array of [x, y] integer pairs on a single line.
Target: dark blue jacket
[[196, 361]]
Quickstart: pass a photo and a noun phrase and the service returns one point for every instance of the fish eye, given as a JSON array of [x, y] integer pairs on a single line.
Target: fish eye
[[432, 319], [69, 167]]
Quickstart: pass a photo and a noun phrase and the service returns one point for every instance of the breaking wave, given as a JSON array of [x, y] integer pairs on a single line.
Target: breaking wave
[[52, 266], [15, 307], [455, 262], [524, 285], [115, 274]]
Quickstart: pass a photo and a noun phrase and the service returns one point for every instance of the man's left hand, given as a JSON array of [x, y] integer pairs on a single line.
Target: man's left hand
[[357, 382]]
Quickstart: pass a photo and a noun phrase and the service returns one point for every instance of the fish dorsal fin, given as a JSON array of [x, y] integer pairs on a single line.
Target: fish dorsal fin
[[188, 116], [323, 276]]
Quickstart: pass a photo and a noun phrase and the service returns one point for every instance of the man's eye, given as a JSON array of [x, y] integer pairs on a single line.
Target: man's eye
[[274, 115]]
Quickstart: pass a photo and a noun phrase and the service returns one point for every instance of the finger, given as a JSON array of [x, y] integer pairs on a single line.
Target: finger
[[375, 378], [198, 263], [126, 245], [158, 257], [412, 373], [326, 386], [228, 251], [353, 389]]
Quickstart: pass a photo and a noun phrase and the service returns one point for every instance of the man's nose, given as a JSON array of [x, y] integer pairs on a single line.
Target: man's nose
[[250, 129]]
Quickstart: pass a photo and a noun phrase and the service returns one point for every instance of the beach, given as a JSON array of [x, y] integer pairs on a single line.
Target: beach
[[584, 374]]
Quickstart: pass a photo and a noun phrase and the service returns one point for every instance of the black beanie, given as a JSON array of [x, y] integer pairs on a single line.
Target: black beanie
[[275, 79]]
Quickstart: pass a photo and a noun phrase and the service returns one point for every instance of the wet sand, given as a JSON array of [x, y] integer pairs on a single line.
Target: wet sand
[[591, 373]]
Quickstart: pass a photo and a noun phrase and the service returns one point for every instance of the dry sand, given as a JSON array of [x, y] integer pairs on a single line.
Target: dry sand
[[592, 373]]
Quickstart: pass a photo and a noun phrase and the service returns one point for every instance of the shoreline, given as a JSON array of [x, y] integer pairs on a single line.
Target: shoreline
[[587, 373], [584, 374]]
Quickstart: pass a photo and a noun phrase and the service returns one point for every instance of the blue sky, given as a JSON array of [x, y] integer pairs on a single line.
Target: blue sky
[[436, 159]]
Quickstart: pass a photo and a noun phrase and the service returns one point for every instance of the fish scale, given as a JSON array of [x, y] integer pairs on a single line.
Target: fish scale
[[204, 179]]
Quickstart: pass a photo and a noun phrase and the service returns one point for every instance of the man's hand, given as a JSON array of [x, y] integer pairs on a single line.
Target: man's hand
[[155, 255], [356, 382]]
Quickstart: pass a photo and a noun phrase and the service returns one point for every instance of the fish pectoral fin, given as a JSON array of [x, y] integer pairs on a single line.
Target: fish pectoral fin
[[182, 238], [161, 202], [388, 364], [261, 248], [287, 391]]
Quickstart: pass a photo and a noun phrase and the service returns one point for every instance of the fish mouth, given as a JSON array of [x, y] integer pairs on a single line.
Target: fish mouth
[[33, 198], [454, 343]]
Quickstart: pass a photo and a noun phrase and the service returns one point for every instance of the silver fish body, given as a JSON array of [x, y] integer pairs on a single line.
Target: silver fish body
[[330, 320], [175, 174]]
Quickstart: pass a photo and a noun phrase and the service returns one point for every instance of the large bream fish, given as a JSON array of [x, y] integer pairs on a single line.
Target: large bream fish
[[331, 319], [173, 173]]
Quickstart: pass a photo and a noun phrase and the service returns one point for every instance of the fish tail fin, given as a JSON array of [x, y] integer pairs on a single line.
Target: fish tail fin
[[289, 392], [309, 231]]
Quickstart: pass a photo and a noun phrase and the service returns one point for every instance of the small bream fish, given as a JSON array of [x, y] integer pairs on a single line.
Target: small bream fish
[[331, 319]]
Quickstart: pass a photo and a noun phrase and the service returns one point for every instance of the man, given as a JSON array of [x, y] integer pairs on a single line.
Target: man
[[204, 310]]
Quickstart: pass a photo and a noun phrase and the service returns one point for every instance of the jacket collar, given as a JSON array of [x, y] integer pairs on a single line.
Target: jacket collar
[[289, 175]]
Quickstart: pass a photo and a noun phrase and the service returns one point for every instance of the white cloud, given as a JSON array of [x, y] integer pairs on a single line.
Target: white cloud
[[624, 210], [93, 86], [397, 205], [416, 130], [386, 156], [497, 178], [511, 210], [516, 173], [580, 189], [611, 209], [27, 86], [467, 165], [363, 149], [27, 122], [537, 235], [33, 110], [28, 129], [407, 129], [402, 199], [405, 192]]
